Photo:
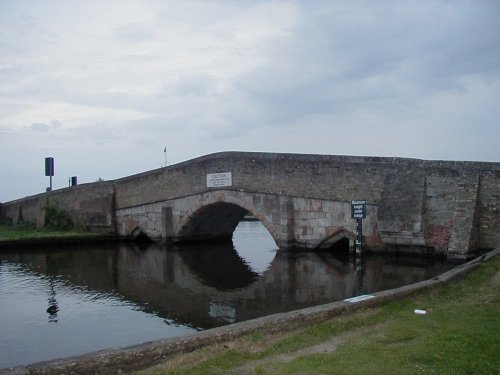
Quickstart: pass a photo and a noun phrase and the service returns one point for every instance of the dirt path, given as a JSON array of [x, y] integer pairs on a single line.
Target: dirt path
[[321, 348]]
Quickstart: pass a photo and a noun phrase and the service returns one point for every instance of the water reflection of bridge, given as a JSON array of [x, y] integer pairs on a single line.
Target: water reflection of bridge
[[222, 287], [210, 286]]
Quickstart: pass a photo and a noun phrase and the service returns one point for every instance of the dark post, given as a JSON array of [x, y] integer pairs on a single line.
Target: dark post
[[359, 236], [49, 170]]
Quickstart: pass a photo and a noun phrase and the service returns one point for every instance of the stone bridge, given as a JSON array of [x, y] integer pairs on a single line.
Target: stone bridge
[[214, 215], [304, 201]]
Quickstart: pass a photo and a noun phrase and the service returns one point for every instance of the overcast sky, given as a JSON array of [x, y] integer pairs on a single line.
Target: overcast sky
[[105, 86]]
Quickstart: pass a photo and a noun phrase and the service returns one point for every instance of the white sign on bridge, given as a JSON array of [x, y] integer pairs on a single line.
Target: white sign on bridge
[[222, 179]]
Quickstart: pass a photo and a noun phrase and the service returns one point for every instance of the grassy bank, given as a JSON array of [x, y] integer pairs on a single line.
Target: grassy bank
[[28, 232], [460, 334]]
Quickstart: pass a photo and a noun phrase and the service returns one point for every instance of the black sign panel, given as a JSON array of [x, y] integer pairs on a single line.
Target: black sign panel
[[358, 209], [49, 166]]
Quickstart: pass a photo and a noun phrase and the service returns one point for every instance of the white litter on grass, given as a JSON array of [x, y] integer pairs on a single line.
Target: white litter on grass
[[420, 312]]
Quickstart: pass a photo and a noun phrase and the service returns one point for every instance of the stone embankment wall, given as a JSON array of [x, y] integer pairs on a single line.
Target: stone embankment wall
[[90, 207], [450, 206]]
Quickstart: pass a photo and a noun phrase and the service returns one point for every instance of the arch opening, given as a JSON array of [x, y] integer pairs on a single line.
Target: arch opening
[[213, 222], [341, 241], [340, 248], [139, 235], [342, 245]]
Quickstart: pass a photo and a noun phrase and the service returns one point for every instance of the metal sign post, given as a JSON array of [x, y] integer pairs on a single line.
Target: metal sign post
[[359, 236], [49, 170], [358, 212]]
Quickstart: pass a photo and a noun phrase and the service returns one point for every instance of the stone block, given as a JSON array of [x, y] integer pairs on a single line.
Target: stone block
[[301, 204], [328, 206], [315, 205]]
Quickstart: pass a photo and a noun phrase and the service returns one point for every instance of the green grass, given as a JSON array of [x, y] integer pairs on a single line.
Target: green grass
[[27, 232], [459, 335]]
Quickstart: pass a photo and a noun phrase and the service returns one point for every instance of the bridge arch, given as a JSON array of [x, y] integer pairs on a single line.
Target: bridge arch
[[216, 216], [336, 236], [139, 234]]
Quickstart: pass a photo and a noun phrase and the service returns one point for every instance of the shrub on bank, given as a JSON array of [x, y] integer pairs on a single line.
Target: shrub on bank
[[56, 218]]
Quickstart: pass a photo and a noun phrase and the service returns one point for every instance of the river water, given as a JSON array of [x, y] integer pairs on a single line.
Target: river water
[[63, 301]]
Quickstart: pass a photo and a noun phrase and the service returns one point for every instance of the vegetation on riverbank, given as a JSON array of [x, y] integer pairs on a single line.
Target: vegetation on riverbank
[[58, 225], [27, 231], [458, 335]]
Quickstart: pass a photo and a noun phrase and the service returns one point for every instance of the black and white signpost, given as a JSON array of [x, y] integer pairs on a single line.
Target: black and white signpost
[[358, 212]]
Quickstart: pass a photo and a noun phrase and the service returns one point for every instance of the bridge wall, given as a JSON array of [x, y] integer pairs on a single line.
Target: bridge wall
[[450, 206], [90, 207], [291, 221]]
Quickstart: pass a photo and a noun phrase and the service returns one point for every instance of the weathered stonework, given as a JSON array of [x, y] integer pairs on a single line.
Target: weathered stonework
[[292, 221], [303, 200], [90, 206]]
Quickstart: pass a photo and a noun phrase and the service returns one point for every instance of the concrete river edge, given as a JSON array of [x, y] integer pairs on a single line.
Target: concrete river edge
[[121, 360]]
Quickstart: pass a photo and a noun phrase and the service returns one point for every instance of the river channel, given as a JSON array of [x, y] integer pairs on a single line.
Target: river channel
[[64, 301]]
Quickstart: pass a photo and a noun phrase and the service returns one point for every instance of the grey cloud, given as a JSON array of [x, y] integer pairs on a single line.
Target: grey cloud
[[344, 62], [135, 33], [192, 85], [414, 79], [45, 127]]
